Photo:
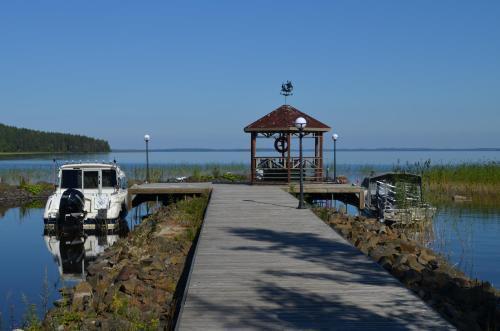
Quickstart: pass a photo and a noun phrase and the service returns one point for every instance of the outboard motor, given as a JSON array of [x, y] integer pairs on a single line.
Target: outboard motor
[[71, 213]]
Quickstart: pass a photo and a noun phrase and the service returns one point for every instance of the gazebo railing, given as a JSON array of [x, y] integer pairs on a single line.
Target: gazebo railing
[[282, 169]]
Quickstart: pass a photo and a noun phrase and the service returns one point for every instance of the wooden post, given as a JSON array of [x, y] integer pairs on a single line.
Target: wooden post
[[288, 161], [252, 156], [320, 156], [316, 155]]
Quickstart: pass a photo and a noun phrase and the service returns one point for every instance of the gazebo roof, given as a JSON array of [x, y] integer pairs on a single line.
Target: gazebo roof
[[283, 119]]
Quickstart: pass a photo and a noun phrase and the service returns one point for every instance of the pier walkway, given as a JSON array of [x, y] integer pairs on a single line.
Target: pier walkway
[[262, 264]]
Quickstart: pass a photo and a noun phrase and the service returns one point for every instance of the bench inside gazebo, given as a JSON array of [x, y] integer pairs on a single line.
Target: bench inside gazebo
[[283, 164]]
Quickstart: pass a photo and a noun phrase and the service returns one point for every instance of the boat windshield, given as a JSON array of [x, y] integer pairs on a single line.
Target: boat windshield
[[109, 178], [71, 179], [90, 179]]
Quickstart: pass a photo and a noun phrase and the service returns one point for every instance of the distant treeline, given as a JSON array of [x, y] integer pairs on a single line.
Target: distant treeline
[[18, 140]]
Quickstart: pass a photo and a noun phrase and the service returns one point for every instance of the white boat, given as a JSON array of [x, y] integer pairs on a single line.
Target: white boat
[[99, 188]]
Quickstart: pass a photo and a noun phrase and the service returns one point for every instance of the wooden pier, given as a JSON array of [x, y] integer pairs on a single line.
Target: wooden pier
[[262, 264], [163, 191], [350, 194], [137, 194]]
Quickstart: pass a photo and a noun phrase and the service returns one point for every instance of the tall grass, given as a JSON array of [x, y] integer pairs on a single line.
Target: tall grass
[[480, 181], [466, 173]]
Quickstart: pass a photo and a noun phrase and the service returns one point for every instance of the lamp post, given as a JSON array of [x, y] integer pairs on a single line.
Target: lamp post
[[146, 139], [300, 124], [335, 137]]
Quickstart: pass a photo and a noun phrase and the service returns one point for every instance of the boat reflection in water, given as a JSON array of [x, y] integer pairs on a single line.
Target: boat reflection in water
[[73, 250]]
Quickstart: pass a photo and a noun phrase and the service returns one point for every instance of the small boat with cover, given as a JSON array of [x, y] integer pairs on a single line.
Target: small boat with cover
[[396, 198]]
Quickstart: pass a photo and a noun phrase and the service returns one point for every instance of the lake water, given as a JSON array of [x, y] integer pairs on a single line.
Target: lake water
[[388, 158], [35, 265]]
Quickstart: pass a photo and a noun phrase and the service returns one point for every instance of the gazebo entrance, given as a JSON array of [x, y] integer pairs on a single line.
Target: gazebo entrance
[[281, 163]]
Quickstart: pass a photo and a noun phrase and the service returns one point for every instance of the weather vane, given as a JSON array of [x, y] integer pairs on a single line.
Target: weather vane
[[286, 89]]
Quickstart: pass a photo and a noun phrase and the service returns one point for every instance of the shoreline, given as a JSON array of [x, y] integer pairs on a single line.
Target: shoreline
[[12, 196], [138, 282]]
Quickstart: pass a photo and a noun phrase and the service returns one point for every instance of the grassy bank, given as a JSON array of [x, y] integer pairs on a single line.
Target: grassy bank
[[136, 283]]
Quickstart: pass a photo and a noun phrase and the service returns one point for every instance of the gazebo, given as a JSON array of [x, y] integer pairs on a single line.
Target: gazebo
[[284, 167]]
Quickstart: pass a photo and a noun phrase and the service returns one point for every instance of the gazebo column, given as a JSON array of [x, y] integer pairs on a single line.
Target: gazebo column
[[320, 155], [253, 164], [316, 156], [288, 161]]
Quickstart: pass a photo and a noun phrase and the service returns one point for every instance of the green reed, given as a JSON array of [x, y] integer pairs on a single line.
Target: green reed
[[465, 173], [480, 181]]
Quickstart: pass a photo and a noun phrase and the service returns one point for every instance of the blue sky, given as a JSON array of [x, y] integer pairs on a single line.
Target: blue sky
[[193, 74]]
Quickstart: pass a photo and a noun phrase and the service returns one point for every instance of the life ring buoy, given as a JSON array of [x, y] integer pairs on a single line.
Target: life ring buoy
[[281, 144]]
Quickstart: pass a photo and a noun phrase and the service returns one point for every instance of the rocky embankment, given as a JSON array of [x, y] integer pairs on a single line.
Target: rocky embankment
[[136, 283], [14, 196], [468, 304]]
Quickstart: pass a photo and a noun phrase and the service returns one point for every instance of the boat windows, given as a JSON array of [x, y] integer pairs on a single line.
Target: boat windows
[[71, 179], [109, 178], [123, 183], [90, 179]]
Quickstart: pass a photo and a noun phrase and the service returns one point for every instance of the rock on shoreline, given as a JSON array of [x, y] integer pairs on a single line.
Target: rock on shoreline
[[466, 303], [14, 196]]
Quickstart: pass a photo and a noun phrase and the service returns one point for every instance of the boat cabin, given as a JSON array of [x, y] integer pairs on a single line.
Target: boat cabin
[[90, 177]]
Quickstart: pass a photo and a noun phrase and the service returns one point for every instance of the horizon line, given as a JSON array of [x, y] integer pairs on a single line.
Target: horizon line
[[361, 149]]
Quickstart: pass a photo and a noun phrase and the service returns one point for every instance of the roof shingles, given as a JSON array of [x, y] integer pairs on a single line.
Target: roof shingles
[[283, 119]]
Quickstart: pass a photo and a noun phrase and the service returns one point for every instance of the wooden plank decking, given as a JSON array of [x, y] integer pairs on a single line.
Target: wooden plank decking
[[161, 189], [262, 264]]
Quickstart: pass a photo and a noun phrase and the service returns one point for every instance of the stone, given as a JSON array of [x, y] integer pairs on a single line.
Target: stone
[[83, 289], [128, 286], [377, 253], [108, 297], [434, 264], [148, 276], [400, 260], [425, 257], [413, 263], [82, 296], [412, 277], [405, 246], [400, 270], [165, 284], [386, 263], [382, 229], [462, 282], [140, 290], [403, 237], [363, 247], [373, 241], [125, 273]]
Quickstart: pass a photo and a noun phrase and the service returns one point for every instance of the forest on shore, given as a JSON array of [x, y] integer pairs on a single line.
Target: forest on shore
[[20, 140]]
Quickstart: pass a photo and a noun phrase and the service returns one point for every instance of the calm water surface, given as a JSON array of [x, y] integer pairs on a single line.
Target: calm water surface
[[32, 263], [343, 157], [36, 264]]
